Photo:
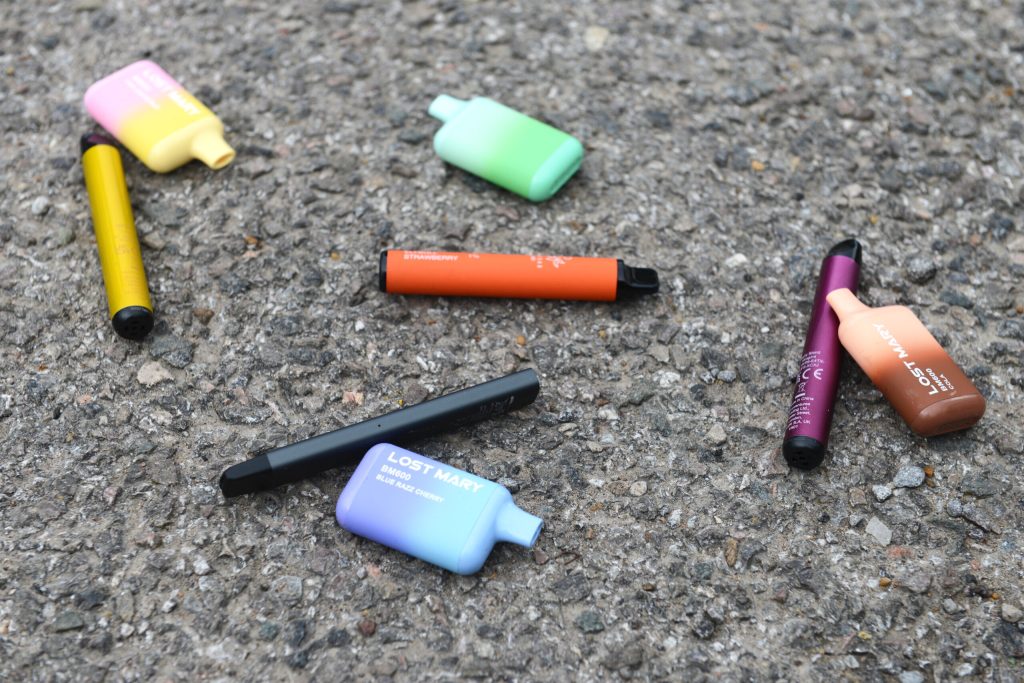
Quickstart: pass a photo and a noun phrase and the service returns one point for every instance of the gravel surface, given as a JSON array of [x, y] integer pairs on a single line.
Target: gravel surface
[[729, 144]]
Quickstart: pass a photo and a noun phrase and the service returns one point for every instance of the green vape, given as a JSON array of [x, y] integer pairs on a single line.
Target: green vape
[[501, 145]]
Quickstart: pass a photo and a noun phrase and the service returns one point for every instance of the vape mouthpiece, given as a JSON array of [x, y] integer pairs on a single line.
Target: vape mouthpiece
[[636, 281]]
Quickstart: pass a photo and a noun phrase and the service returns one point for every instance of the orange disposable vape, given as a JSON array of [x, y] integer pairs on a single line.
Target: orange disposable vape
[[512, 276], [907, 365]]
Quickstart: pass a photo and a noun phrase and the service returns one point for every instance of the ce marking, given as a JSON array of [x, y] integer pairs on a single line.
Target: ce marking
[[816, 374]]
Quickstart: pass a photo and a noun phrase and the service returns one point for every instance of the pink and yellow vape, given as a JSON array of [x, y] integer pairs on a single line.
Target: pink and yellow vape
[[159, 121]]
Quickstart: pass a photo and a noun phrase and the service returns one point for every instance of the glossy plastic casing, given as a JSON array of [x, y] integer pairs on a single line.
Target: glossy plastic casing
[[429, 510], [504, 146], [159, 121], [929, 391], [131, 311]]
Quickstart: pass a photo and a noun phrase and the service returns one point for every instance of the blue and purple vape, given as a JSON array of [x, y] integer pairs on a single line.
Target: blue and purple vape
[[430, 510]]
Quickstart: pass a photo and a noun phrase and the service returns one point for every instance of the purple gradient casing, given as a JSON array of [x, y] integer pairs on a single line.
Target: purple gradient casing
[[430, 510], [810, 414]]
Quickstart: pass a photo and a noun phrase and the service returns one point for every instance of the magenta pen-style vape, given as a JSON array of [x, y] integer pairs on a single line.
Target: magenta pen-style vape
[[810, 415]]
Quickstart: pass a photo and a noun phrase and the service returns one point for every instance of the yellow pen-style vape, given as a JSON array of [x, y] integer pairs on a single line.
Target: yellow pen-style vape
[[131, 312]]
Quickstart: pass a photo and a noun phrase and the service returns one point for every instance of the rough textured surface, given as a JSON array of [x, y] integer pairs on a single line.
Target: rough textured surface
[[729, 144]]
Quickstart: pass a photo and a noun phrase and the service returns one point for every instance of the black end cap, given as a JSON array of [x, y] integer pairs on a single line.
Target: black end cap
[[90, 140], [803, 452], [850, 248], [250, 476], [382, 271], [635, 281], [133, 322]]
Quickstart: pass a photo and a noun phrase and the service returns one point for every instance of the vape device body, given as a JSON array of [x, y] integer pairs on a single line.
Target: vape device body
[[131, 311], [929, 391], [430, 510], [501, 145], [159, 121], [810, 413], [512, 276], [346, 445]]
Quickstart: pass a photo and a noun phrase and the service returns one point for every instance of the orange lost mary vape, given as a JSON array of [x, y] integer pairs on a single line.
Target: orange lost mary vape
[[512, 276], [907, 365]]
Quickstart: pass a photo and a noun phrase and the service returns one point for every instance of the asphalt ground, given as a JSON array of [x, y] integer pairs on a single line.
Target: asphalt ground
[[728, 145]]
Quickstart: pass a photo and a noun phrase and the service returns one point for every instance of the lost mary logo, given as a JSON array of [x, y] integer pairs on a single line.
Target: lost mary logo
[[933, 381], [454, 478]]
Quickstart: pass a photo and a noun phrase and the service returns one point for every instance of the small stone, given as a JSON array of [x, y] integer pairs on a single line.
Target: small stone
[[954, 508], [103, 20], [703, 626], [921, 269], [572, 588], [172, 349], [286, 589], [628, 656], [299, 659], [1000, 226], [736, 260], [1011, 613], [200, 566], [152, 373], [980, 486], [590, 622], [950, 607], [911, 677], [908, 477], [411, 137], [881, 492], [167, 215], [955, 298], [746, 94], [845, 109], [879, 531], [168, 605], [891, 180], [415, 393], [65, 236], [716, 436], [962, 125], [268, 630], [921, 209], [256, 168], [982, 518], [338, 637], [39, 206], [732, 547], [296, 632], [367, 627], [595, 37], [90, 598], [915, 582], [203, 315], [658, 119], [68, 621], [638, 488], [153, 241]]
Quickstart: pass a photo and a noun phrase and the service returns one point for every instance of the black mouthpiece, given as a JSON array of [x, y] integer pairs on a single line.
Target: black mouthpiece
[[636, 281], [849, 248], [90, 140]]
